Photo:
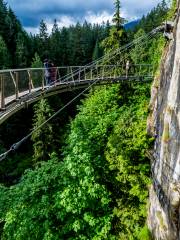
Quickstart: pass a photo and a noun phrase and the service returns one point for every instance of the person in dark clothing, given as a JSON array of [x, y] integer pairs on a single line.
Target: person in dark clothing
[[46, 72], [53, 72]]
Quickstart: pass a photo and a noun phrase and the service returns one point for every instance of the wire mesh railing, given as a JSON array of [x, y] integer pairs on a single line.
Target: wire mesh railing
[[16, 83]]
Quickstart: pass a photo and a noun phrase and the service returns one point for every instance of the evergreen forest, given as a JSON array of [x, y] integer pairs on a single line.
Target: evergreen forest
[[85, 175]]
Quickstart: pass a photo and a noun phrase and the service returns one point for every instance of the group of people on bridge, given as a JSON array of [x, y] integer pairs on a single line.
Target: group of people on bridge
[[50, 72]]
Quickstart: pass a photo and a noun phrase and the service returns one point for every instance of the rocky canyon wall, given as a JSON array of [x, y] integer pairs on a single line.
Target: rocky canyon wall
[[164, 126]]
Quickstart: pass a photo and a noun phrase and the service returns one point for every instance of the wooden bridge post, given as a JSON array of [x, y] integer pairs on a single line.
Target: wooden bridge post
[[43, 74], [103, 73], [72, 74], [110, 72], [84, 73], [16, 86], [114, 71], [30, 81], [58, 76], [2, 106], [91, 74], [79, 77], [97, 70]]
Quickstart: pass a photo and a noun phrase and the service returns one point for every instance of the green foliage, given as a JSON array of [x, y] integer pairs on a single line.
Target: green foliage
[[43, 136], [45, 206], [144, 234], [98, 187], [4, 55], [36, 62], [68, 200], [155, 51], [154, 18], [113, 41], [126, 154], [43, 40], [36, 76], [21, 51], [172, 10], [117, 19], [97, 52], [139, 53]]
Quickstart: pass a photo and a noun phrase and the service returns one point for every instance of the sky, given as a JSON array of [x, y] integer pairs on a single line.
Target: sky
[[67, 12]]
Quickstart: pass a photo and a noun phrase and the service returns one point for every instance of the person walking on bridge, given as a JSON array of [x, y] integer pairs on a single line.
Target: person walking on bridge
[[46, 72], [127, 67], [53, 72]]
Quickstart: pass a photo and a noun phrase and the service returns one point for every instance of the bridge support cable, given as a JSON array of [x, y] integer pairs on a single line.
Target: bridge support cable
[[141, 40], [25, 82], [16, 145]]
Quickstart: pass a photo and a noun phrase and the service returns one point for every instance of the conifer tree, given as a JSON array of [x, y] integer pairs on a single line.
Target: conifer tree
[[55, 28], [43, 31], [117, 35], [96, 52], [36, 75], [139, 53], [36, 62], [4, 55], [55, 44], [43, 40], [21, 52], [43, 137], [117, 19]]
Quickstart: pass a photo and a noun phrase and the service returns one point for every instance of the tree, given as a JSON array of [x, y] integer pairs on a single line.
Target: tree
[[43, 35], [36, 62], [21, 54], [117, 36], [117, 19], [43, 40], [126, 154], [97, 51], [14, 34], [4, 55], [154, 18], [36, 75], [113, 41], [3, 15], [43, 137], [139, 53], [55, 44], [55, 28]]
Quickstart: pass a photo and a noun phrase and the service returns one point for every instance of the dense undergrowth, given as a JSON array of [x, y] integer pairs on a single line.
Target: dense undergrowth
[[98, 188]]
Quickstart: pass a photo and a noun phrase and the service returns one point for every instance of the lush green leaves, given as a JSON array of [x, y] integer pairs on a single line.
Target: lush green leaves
[[4, 55], [42, 136]]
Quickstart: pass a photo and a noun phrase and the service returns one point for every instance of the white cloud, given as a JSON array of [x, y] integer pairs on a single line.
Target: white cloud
[[68, 12], [66, 21], [98, 18]]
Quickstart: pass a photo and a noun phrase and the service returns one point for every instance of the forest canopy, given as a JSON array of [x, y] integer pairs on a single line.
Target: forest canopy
[[84, 175]]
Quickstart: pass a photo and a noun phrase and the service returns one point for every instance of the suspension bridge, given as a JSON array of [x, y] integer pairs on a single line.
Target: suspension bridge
[[21, 87]]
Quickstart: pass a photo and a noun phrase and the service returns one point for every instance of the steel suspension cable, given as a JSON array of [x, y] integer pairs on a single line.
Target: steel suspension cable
[[109, 55], [17, 144], [94, 63]]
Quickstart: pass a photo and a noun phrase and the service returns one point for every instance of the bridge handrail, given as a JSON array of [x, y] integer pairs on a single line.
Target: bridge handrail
[[66, 67]]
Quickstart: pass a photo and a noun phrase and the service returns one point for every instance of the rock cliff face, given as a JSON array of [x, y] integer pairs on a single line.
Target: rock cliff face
[[164, 125]]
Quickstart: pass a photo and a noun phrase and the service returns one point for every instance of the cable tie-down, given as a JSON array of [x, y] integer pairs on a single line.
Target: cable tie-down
[[168, 30], [3, 156]]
